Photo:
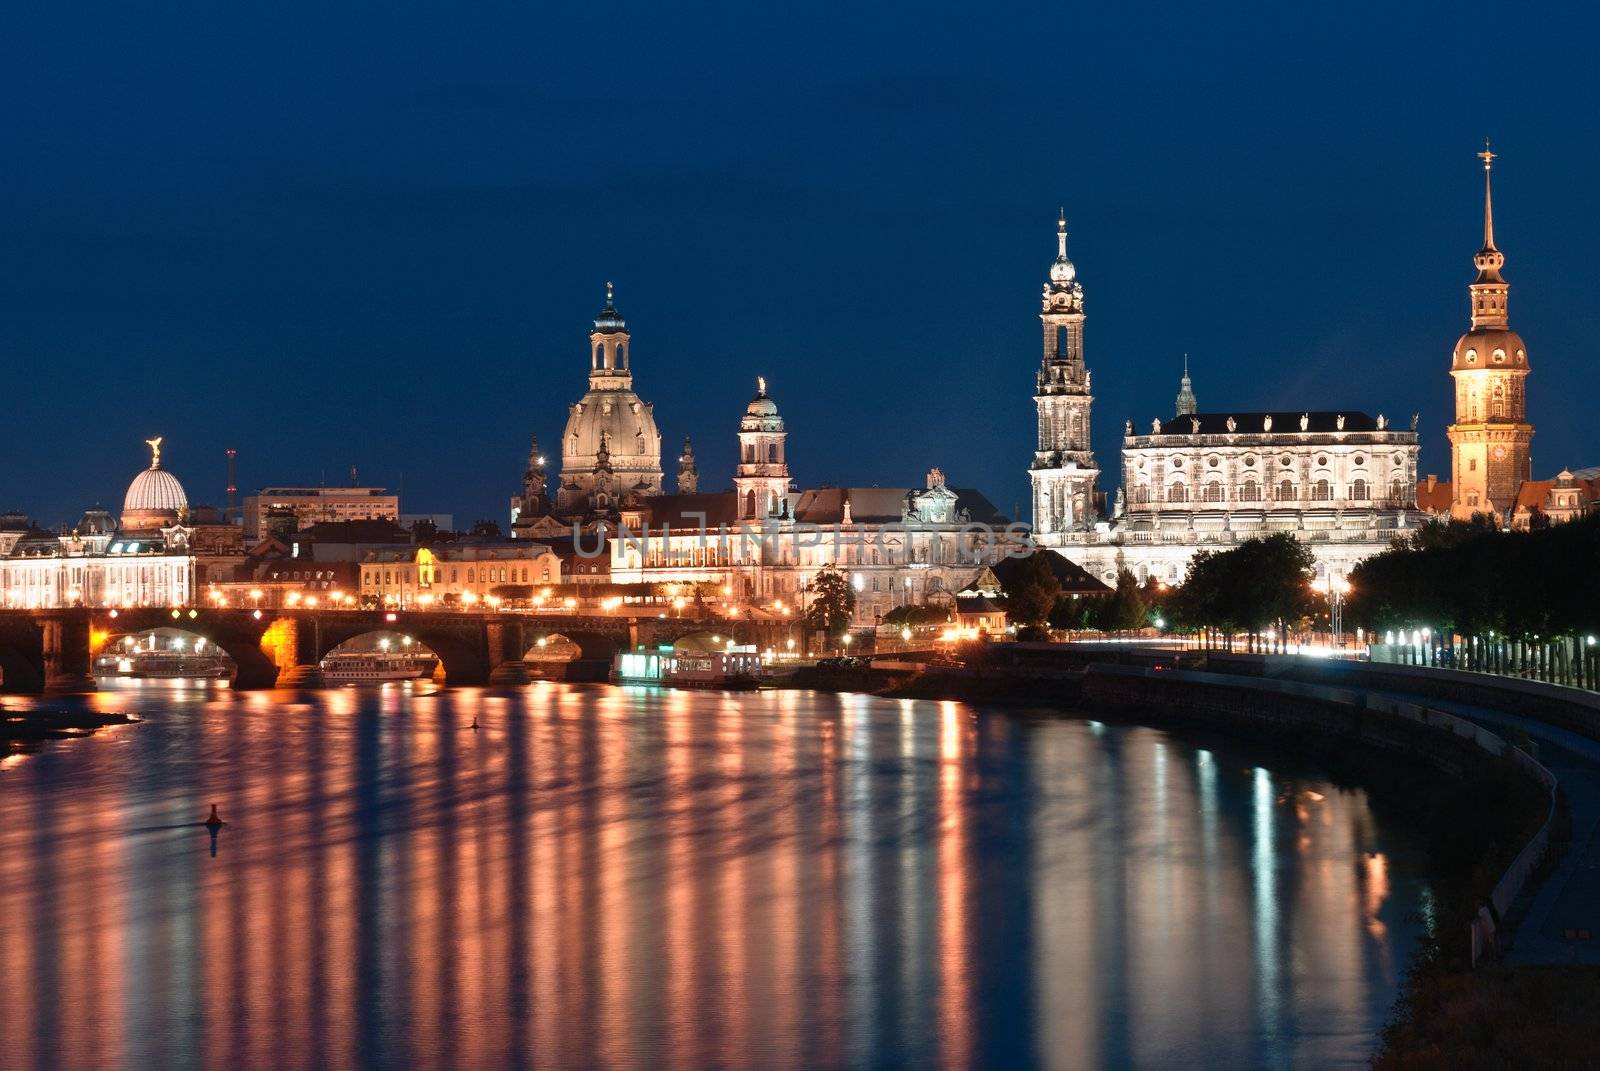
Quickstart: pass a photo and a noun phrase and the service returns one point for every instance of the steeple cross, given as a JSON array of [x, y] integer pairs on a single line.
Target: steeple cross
[[1486, 156]]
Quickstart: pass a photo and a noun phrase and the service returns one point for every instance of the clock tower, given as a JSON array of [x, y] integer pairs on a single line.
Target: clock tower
[[1491, 436]]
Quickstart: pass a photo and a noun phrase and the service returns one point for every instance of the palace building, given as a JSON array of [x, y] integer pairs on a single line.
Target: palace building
[[1342, 481]]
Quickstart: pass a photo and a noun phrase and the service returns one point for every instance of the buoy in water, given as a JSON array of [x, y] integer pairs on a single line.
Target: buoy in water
[[215, 820]]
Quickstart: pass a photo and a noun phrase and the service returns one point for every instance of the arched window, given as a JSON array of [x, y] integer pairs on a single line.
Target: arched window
[[749, 503], [1213, 491], [1322, 492], [1358, 490], [1141, 494], [750, 452], [1286, 491], [1250, 492], [1176, 493], [772, 453], [1061, 341], [1396, 495]]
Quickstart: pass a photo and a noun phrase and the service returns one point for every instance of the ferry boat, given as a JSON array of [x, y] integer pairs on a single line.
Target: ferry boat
[[737, 667], [375, 667], [163, 665]]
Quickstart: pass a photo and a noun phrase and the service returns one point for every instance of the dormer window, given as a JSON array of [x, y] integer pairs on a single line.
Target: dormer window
[[1471, 356], [1499, 356]]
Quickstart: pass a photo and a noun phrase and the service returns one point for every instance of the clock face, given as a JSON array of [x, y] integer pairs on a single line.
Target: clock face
[[1499, 453]]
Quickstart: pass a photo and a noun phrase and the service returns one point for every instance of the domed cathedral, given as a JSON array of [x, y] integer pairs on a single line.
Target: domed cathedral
[[1064, 471], [761, 479], [611, 450], [1490, 439], [155, 499]]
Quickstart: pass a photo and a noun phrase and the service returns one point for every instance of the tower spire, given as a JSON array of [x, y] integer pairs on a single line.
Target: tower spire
[[1488, 202], [1061, 234], [1187, 403]]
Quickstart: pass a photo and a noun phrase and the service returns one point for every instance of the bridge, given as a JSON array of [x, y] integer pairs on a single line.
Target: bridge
[[53, 650]]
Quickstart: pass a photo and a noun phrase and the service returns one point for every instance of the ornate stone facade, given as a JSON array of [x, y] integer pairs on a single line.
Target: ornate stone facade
[[761, 544], [611, 450], [1490, 439], [1343, 482], [1064, 471]]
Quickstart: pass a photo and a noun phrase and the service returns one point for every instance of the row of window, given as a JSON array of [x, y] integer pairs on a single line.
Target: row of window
[[474, 576], [1283, 491]]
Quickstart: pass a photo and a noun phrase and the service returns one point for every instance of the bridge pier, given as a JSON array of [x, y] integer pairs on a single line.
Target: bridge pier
[[294, 652], [66, 653], [505, 647]]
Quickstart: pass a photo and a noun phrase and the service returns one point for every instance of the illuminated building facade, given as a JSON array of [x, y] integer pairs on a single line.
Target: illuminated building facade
[[457, 574], [1064, 470], [611, 450], [763, 542], [154, 557], [1343, 482]]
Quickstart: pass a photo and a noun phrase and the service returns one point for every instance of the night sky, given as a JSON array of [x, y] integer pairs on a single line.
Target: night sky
[[376, 234]]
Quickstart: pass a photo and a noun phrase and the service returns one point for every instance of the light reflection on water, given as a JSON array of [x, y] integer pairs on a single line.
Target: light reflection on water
[[640, 878]]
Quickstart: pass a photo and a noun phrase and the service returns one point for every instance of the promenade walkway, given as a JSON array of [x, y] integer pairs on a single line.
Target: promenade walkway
[[1567, 903]]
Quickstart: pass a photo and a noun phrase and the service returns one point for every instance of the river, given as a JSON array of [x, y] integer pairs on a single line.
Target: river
[[641, 878]]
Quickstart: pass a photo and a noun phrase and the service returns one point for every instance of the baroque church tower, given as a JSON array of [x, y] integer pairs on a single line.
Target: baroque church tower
[[1491, 436], [1064, 471], [611, 450], [761, 479], [688, 473]]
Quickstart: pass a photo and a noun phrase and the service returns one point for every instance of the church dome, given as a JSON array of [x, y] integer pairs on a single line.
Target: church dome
[[1490, 347], [762, 412], [627, 425], [155, 497]]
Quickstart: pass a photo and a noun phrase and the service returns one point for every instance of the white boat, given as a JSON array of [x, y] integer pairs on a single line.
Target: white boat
[[375, 667], [163, 665]]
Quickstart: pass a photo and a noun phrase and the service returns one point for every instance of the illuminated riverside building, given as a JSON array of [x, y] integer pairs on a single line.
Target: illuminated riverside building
[[454, 574], [1343, 482], [763, 541], [154, 556]]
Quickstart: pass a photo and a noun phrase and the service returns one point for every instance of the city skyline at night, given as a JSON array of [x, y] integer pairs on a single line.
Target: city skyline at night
[[409, 253]]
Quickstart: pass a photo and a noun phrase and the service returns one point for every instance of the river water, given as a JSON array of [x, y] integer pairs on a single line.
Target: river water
[[640, 878]]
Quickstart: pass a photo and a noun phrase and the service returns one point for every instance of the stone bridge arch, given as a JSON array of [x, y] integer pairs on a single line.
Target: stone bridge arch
[[260, 646], [461, 644]]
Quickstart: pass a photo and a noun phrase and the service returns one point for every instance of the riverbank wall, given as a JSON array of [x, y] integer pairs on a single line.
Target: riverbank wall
[[1573, 709]]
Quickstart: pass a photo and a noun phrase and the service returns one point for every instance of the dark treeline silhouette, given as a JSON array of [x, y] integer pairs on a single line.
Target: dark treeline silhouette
[[1472, 579]]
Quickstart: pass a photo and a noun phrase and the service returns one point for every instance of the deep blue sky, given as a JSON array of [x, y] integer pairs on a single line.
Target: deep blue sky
[[376, 234]]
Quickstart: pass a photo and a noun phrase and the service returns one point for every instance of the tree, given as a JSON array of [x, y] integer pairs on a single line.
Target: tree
[[1260, 582], [833, 603], [1127, 606], [1031, 589]]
